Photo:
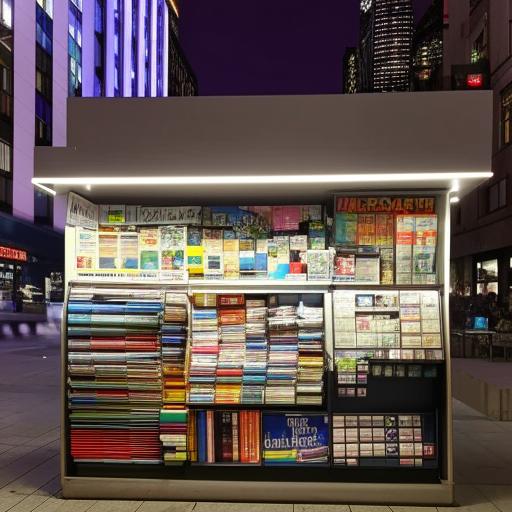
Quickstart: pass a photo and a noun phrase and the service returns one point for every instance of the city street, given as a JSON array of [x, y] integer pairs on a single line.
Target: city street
[[29, 447]]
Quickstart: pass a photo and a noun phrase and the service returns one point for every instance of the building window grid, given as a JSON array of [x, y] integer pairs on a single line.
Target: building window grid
[[160, 49], [75, 49], [43, 92], [5, 157], [134, 47], [147, 48], [506, 116], [46, 6], [6, 91], [118, 80], [99, 45], [392, 45], [44, 29], [43, 121]]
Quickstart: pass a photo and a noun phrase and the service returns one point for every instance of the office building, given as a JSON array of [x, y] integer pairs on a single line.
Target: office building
[[385, 46], [480, 55], [350, 71], [428, 50], [56, 49]]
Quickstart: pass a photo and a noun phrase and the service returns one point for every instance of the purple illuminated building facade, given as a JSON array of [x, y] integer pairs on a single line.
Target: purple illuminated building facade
[[56, 49]]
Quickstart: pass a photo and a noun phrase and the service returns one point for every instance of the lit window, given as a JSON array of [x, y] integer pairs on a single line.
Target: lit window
[[506, 115], [5, 157], [487, 276], [6, 13], [47, 6]]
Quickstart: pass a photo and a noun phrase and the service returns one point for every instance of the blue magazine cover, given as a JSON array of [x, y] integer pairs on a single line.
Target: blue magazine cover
[[295, 438]]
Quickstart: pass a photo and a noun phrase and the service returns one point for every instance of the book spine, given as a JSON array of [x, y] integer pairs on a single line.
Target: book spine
[[234, 422], [210, 437], [258, 436], [217, 438], [243, 437], [201, 436], [250, 448], [227, 438], [192, 437]]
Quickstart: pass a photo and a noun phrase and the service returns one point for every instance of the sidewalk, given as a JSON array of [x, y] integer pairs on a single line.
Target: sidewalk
[[29, 448]]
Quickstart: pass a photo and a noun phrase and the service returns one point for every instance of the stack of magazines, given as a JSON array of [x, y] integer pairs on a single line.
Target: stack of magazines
[[203, 355], [311, 356], [231, 355], [114, 374], [174, 340], [255, 365], [283, 355]]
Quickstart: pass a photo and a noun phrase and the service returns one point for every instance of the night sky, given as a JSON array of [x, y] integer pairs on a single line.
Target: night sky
[[270, 46]]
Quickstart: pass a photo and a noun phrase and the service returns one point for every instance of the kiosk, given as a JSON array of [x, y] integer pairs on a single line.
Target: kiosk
[[257, 294]]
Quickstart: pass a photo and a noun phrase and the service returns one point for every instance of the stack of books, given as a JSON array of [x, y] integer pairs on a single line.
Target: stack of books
[[231, 355], [173, 435], [114, 374], [283, 355], [203, 355], [255, 366], [311, 356]]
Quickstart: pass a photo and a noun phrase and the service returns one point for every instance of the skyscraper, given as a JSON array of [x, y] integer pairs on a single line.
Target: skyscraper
[[385, 45], [56, 49], [428, 50], [182, 81], [350, 71]]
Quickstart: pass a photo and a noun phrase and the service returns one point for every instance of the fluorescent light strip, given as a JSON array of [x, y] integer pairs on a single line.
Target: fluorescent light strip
[[46, 189], [263, 180]]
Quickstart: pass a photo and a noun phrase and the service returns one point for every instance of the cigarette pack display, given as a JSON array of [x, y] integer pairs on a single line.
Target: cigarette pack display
[[382, 441]]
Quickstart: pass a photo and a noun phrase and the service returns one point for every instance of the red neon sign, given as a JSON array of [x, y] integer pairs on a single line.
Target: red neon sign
[[13, 254], [475, 81]]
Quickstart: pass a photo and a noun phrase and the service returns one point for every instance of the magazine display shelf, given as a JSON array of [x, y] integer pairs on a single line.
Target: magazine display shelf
[[330, 482], [322, 483], [277, 151]]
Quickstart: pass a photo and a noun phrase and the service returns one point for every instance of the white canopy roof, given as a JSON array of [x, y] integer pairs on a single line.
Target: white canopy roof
[[263, 149]]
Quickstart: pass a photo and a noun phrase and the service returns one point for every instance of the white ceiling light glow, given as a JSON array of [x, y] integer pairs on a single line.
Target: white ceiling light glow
[[45, 189], [263, 180]]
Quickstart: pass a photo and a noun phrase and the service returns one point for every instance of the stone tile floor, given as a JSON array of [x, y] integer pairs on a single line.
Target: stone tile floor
[[29, 448]]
